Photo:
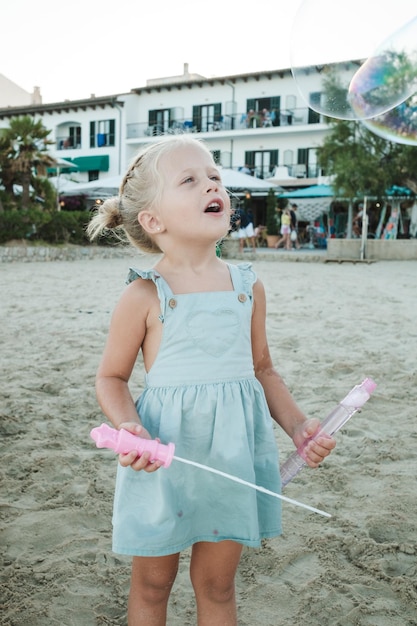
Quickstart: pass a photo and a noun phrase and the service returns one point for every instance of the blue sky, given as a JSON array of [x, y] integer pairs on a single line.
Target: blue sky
[[72, 50]]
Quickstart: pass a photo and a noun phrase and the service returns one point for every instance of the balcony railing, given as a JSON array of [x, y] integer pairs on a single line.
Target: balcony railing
[[236, 122], [67, 143], [297, 170]]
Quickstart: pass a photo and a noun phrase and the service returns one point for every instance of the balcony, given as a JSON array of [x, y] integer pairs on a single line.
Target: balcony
[[237, 123], [67, 143]]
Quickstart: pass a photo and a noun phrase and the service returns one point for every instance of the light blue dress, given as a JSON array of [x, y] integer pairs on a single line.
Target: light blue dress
[[201, 394]]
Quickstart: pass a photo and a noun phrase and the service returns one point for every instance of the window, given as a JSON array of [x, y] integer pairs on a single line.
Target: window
[[290, 103], [93, 175], [68, 136], [272, 104], [217, 157], [287, 114], [158, 121], [312, 164], [288, 157], [102, 133], [262, 162], [207, 117], [75, 136], [307, 163]]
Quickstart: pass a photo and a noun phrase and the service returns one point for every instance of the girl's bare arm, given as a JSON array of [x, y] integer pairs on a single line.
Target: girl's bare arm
[[284, 410]]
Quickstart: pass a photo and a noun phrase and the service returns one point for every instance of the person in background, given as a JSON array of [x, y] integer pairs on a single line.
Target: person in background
[[285, 230], [210, 387], [246, 229], [357, 222], [245, 169], [266, 118], [252, 119], [294, 227]]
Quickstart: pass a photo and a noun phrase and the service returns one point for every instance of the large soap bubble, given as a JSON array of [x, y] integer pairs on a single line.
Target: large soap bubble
[[398, 125], [339, 64], [388, 77]]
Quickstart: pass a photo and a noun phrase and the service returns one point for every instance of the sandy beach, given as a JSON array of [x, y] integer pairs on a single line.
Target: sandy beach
[[330, 326]]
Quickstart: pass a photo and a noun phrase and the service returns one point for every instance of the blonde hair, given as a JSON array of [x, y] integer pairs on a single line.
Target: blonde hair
[[140, 189]]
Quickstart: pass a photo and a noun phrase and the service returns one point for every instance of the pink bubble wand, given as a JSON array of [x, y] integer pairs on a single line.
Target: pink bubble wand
[[122, 441]]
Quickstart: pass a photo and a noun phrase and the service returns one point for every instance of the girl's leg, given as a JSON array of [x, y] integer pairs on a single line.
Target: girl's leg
[[213, 569], [287, 242], [151, 584]]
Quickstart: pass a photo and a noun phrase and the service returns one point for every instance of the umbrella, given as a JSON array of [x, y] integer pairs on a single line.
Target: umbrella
[[103, 188], [232, 179], [62, 164], [238, 181], [63, 184], [314, 191], [312, 201]]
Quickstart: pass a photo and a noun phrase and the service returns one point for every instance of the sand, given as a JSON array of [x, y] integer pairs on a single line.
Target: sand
[[330, 326]]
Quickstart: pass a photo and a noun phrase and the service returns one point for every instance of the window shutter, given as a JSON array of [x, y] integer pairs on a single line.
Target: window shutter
[[250, 104], [197, 116], [302, 156], [92, 134], [218, 112], [313, 116], [250, 158], [112, 132], [273, 158], [276, 103]]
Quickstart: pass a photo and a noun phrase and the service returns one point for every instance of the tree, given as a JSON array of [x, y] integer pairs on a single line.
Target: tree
[[23, 149], [363, 163], [271, 213]]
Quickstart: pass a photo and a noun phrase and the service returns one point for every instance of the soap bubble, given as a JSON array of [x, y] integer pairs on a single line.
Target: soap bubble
[[388, 77], [398, 125], [339, 64]]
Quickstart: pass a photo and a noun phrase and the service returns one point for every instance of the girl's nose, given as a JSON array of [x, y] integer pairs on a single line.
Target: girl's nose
[[212, 184]]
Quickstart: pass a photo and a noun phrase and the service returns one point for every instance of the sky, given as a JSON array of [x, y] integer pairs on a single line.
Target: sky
[[74, 49]]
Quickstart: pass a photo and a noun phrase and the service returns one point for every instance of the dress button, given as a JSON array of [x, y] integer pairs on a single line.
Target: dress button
[[242, 297], [172, 303]]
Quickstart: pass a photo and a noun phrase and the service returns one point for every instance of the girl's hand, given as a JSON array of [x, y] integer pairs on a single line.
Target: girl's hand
[[138, 462], [315, 451]]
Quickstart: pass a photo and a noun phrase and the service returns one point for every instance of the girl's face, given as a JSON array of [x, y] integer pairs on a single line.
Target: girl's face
[[194, 202]]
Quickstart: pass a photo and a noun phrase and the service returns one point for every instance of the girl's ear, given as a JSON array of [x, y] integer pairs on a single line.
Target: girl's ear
[[149, 222]]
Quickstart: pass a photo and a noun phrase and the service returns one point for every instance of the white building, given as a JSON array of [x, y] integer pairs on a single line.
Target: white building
[[101, 135]]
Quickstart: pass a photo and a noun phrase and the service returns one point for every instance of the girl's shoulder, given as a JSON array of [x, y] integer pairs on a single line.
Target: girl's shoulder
[[140, 292]]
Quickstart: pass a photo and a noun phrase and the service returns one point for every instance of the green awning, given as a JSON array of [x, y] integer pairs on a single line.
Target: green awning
[[98, 162]]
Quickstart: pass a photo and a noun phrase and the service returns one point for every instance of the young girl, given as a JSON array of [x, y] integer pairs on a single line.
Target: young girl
[[210, 388]]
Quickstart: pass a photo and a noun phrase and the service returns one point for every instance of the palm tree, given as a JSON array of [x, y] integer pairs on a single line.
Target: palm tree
[[23, 149]]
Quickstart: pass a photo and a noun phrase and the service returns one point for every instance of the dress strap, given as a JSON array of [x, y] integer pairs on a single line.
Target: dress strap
[[243, 278], [163, 289]]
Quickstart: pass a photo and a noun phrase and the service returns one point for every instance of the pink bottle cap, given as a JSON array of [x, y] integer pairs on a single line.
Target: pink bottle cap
[[370, 385]]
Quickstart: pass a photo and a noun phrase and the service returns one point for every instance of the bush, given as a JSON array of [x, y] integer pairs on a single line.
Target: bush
[[65, 227], [20, 224], [56, 227]]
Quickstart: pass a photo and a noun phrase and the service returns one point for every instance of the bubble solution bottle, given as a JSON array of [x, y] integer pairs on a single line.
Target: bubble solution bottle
[[355, 399]]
